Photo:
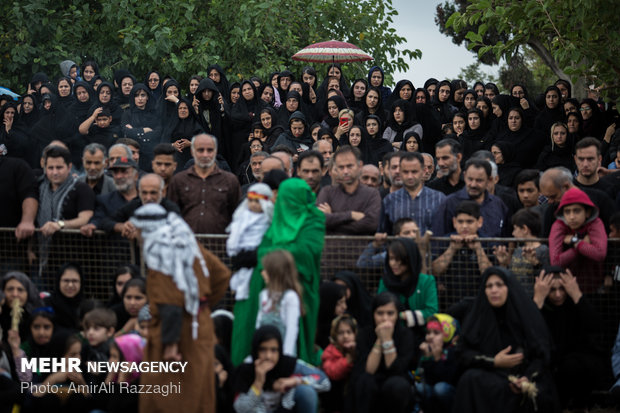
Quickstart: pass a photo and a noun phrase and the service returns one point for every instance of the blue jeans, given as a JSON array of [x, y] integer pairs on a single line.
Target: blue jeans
[[306, 399], [440, 395]]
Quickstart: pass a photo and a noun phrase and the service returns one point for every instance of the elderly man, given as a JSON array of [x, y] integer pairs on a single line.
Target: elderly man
[[371, 176], [350, 208], [206, 194], [94, 161]]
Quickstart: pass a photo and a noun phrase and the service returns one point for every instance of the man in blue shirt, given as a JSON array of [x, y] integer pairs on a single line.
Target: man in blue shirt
[[493, 210], [413, 200]]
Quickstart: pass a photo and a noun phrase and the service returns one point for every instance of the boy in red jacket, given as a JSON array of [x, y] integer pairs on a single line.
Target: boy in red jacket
[[578, 240]]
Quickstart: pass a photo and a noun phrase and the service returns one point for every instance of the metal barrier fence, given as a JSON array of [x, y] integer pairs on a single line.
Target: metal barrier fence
[[100, 255]]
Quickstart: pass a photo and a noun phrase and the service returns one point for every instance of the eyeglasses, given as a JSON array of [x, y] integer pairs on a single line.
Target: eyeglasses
[[583, 109], [153, 80], [256, 147]]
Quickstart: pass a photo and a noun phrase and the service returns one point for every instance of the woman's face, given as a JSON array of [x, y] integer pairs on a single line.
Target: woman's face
[[358, 90], [256, 145], [134, 300], [105, 94], [420, 97], [387, 312], [497, 154], [398, 267], [573, 124], [315, 133], [183, 110], [489, 93], [458, 124], [28, 105], [234, 94], [405, 92], [120, 282], [172, 91], [412, 145], [376, 78], [479, 89], [559, 136], [269, 350], [141, 98], [355, 136], [459, 94], [372, 127], [309, 79], [285, 82], [64, 88], [333, 84], [496, 291], [497, 110], [215, 76], [267, 95], [431, 89], [444, 93], [70, 283], [399, 115], [89, 73], [97, 83], [332, 109], [327, 138], [514, 121], [483, 107], [469, 101], [9, 115], [296, 87], [247, 91], [14, 290], [274, 80], [372, 99], [569, 107], [81, 94], [193, 86], [265, 120], [552, 99], [41, 330], [153, 81], [586, 111], [292, 104], [341, 306], [335, 72], [473, 120], [126, 86], [518, 92]]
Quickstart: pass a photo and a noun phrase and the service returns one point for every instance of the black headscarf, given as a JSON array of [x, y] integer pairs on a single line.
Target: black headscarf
[[396, 93], [67, 309], [596, 125], [408, 121], [112, 105], [222, 86], [66, 101], [32, 301], [330, 293], [284, 368], [168, 110], [283, 113], [547, 117], [214, 123], [358, 304], [396, 284], [411, 134], [157, 92], [274, 131], [55, 123], [81, 110], [380, 112], [341, 103], [122, 100]]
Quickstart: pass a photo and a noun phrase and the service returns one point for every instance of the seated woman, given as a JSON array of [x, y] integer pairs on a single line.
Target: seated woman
[[402, 119], [273, 382], [385, 351], [505, 350], [67, 296]]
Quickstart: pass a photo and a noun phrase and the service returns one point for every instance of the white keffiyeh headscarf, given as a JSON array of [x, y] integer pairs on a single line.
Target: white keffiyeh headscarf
[[170, 247]]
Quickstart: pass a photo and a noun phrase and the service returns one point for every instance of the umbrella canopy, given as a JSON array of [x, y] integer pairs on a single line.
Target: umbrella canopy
[[332, 51]]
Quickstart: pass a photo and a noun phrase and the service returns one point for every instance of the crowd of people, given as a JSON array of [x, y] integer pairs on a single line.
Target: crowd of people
[[459, 324]]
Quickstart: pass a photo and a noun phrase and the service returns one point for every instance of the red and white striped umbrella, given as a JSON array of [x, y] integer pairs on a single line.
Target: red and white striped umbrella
[[332, 51]]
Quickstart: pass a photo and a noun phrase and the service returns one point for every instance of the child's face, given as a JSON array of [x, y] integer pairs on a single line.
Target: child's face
[[115, 355], [103, 121], [613, 231], [520, 232], [98, 334], [434, 336], [345, 335], [42, 330], [75, 351], [465, 224], [575, 215], [341, 306], [254, 206], [143, 328]]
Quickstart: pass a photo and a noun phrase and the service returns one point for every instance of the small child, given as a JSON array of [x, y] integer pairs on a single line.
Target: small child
[[436, 372], [128, 347], [578, 240], [99, 325], [144, 318], [615, 164], [250, 222], [279, 304], [40, 342], [526, 261], [337, 362]]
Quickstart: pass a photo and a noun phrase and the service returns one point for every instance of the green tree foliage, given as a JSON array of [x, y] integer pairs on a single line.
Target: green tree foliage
[[472, 74], [443, 13], [575, 38], [181, 38]]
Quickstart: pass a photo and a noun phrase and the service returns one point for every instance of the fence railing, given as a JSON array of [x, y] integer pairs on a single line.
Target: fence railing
[[100, 255]]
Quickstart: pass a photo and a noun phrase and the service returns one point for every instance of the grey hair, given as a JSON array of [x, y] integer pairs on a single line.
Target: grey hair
[[125, 147], [160, 179], [92, 149], [257, 154], [205, 134]]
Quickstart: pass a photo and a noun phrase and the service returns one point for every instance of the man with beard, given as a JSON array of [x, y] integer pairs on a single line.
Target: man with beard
[[206, 194], [94, 161], [350, 208], [310, 169], [449, 154], [391, 173], [371, 176], [125, 173]]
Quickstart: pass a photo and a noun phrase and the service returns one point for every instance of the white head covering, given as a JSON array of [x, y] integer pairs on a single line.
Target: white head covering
[[170, 247]]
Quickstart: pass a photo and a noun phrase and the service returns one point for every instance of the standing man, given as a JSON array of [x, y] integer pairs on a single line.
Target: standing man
[[311, 169], [94, 160], [206, 194], [449, 154], [413, 200], [350, 208], [391, 171], [163, 162], [588, 160]]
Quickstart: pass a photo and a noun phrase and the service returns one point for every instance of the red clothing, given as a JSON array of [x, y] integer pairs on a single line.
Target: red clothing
[[335, 364], [585, 260]]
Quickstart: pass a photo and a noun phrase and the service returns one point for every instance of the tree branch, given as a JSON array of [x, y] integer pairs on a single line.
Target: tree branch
[[547, 57]]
